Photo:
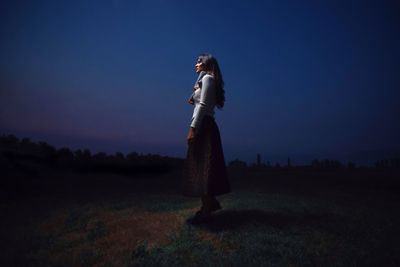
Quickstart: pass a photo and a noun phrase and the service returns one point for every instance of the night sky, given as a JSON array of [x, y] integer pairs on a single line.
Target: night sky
[[303, 79]]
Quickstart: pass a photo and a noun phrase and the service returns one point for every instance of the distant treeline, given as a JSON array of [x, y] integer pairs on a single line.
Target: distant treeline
[[324, 164], [27, 156], [30, 157]]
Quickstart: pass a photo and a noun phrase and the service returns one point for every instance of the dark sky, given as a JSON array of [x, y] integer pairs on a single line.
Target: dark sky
[[302, 78]]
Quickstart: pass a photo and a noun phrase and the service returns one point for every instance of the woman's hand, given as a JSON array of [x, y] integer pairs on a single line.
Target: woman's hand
[[191, 135], [191, 101]]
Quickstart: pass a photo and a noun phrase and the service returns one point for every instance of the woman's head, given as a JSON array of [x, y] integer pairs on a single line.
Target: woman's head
[[206, 62], [209, 64]]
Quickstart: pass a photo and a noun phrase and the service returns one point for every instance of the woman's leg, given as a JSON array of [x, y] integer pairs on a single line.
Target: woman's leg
[[210, 203]]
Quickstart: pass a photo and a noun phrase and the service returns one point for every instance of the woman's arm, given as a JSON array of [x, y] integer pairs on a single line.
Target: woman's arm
[[191, 134], [191, 100], [206, 99]]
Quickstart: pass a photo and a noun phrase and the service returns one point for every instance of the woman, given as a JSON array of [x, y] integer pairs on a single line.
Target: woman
[[205, 172]]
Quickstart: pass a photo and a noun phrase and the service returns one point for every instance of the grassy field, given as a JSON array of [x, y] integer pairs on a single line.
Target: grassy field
[[274, 218]]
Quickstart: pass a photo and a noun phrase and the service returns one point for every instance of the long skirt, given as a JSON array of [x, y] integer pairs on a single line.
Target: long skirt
[[204, 168]]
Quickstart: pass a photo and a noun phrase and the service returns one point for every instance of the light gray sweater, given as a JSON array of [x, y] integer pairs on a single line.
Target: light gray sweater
[[204, 98]]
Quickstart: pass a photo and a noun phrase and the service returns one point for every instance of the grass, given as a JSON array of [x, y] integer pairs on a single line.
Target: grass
[[260, 225]]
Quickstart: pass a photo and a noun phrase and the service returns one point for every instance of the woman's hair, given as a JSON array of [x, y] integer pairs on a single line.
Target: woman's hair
[[211, 67]]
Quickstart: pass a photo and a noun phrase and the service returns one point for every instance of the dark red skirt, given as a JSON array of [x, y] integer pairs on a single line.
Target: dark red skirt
[[204, 169]]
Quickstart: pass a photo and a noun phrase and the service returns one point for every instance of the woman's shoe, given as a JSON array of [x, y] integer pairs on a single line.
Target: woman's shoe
[[211, 203], [200, 216], [215, 205]]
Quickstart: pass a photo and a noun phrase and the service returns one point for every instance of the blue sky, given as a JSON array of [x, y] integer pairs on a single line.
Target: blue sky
[[302, 78]]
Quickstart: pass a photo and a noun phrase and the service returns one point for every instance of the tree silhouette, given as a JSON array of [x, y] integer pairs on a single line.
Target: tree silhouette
[[289, 163], [119, 156], [351, 165], [132, 156], [65, 153], [9, 141], [237, 164], [99, 156]]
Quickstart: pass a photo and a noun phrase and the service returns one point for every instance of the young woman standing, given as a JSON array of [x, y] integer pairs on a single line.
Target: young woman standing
[[205, 173]]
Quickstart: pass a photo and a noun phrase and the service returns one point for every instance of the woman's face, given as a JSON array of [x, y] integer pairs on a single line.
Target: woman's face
[[199, 66]]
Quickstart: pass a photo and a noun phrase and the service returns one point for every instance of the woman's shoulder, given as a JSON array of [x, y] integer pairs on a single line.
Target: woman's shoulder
[[208, 77]]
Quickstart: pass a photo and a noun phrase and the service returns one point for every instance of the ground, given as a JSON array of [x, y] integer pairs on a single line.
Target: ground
[[271, 218]]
